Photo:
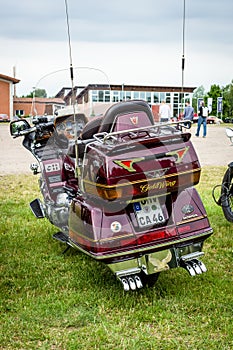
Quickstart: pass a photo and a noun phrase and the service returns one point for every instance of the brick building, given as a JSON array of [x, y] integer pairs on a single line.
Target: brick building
[[6, 94], [26, 106]]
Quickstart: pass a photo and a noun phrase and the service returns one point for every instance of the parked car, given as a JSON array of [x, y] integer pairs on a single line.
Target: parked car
[[211, 119], [4, 118]]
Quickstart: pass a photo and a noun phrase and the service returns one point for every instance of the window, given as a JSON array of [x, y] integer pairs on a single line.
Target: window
[[100, 96], [136, 95], [156, 97], [115, 97], [107, 96], [168, 97], [148, 97], [128, 95], [94, 96], [142, 95], [19, 112], [162, 96]]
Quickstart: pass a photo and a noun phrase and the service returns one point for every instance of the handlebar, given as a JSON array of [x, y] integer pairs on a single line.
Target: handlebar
[[24, 128]]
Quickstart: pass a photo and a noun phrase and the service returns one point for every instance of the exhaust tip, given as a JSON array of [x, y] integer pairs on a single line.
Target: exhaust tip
[[194, 266], [132, 282]]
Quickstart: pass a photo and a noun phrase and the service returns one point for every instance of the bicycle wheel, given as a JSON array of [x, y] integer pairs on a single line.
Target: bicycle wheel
[[227, 195]]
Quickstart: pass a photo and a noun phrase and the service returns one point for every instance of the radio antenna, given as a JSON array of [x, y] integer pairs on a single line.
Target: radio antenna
[[70, 51], [78, 171], [183, 48]]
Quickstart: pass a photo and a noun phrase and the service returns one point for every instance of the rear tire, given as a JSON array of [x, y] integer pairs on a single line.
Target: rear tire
[[227, 195], [149, 280]]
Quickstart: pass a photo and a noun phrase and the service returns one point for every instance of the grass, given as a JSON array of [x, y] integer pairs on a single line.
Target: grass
[[51, 300]]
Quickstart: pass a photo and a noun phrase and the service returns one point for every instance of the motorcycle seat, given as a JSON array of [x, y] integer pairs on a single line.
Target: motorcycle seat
[[91, 128]]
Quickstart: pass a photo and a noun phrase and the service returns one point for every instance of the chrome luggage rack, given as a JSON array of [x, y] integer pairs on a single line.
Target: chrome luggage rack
[[164, 129]]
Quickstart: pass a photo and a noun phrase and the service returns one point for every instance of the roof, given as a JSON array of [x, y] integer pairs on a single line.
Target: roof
[[39, 100], [9, 79]]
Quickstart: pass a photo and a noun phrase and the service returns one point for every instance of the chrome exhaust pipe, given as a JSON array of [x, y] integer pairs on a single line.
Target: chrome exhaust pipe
[[201, 265], [125, 284], [194, 266], [188, 267], [132, 282]]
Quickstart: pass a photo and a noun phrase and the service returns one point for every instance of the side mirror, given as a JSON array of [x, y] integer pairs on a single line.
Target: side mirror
[[19, 125]]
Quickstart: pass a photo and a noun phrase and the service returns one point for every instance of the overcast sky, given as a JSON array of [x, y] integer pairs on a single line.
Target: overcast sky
[[132, 41]]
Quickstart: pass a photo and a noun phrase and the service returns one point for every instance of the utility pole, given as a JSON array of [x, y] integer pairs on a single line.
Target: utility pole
[[183, 51], [14, 75]]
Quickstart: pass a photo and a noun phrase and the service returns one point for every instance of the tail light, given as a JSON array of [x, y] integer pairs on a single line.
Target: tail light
[[144, 187]]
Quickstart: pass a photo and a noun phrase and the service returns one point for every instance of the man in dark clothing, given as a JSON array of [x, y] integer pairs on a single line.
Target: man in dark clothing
[[188, 112], [202, 119]]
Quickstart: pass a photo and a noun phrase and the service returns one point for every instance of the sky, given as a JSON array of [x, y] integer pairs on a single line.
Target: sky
[[130, 41]]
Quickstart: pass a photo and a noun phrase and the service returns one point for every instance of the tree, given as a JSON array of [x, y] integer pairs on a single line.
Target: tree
[[228, 100], [198, 93], [38, 93], [215, 92]]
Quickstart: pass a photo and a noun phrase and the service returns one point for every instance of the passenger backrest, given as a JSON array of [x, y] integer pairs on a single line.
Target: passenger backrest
[[127, 115]]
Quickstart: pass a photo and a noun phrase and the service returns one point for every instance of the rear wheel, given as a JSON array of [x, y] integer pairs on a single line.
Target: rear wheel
[[149, 280], [227, 195]]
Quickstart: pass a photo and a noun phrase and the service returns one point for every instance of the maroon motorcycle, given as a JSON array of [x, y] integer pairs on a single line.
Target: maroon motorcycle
[[120, 188]]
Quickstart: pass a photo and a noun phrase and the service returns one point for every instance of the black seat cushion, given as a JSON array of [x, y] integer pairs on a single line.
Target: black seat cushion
[[91, 128]]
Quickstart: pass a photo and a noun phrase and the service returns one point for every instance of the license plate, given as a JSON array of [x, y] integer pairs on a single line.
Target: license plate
[[149, 212]]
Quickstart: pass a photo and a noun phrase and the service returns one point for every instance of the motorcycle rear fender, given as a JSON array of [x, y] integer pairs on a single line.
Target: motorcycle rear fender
[[113, 236]]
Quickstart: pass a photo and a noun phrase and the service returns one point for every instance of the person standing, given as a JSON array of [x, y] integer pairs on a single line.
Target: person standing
[[202, 119], [188, 112], [164, 112]]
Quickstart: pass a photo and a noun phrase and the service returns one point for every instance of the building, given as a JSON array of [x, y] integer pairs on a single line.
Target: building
[[6, 94], [92, 98], [27, 106], [95, 95]]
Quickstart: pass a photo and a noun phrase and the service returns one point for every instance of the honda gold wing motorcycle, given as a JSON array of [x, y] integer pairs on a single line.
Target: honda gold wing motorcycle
[[119, 187]]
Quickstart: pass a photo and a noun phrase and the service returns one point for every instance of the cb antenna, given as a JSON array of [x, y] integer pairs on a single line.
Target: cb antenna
[[72, 89], [183, 44], [70, 56]]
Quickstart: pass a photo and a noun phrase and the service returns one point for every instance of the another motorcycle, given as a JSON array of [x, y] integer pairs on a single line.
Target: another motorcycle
[[225, 197], [120, 188]]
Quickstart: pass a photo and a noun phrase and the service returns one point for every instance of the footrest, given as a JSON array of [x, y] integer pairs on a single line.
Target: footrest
[[37, 208]]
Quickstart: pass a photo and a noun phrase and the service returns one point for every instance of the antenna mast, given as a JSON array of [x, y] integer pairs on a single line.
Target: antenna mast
[[183, 44], [70, 51], [78, 170]]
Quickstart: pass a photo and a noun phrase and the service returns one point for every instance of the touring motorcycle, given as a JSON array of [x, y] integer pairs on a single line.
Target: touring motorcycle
[[120, 188]]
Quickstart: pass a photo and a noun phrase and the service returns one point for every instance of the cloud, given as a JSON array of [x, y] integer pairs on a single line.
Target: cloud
[[133, 41]]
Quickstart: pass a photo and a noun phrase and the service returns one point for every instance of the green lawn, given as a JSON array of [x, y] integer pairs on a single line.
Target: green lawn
[[51, 300]]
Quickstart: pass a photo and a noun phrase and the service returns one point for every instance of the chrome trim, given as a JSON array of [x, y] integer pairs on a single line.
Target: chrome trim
[[136, 130], [140, 250], [192, 256]]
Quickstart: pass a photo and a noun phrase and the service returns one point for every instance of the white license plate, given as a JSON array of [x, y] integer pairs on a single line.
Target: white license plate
[[149, 212]]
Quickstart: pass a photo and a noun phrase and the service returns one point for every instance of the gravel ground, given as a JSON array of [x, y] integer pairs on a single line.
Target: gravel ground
[[215, 149]]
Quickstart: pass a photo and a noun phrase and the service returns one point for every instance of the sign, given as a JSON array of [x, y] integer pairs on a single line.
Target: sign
[[219, 105], [209, 104], [199, 102]]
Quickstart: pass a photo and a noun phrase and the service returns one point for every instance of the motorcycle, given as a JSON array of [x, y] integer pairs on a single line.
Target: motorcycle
[[120, 188], [225, 197]]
